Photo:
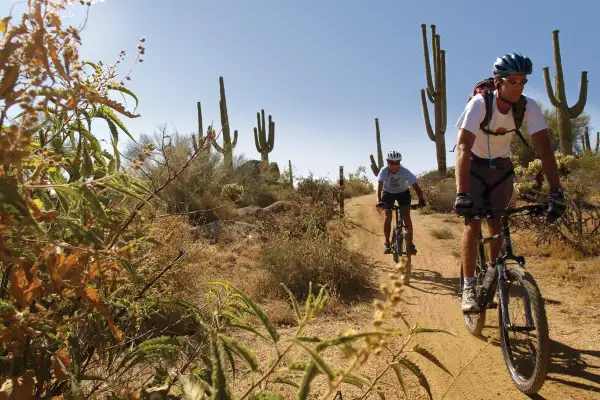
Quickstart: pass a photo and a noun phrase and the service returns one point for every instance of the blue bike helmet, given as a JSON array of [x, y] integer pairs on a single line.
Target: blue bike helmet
[[512, 63]]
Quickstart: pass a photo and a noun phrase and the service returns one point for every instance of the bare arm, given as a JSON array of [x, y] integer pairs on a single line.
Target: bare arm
[[463, 160], [379, 189], [418, 190], [541, 142]]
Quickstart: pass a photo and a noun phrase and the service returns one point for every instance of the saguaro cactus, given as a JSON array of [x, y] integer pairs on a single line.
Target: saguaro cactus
[[436, 92], [263, 144], [228, 145], [376, 166], [197, 142], [291, 175], [597, 142], [564, 112], [585, 140]]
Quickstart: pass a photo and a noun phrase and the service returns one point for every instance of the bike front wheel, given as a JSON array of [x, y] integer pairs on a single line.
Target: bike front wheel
[[525, 341]]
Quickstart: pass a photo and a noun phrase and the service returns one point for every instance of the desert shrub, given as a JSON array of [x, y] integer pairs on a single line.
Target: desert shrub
[[358, 184], [320, 260]]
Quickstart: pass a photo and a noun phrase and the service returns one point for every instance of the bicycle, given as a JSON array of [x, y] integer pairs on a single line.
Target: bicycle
[[400, 242], [499, 280]]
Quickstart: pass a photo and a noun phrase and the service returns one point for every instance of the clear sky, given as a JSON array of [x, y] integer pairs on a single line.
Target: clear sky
[[325, 69]]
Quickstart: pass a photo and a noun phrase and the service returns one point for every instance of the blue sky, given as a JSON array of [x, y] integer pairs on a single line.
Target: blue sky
[[325, 69]]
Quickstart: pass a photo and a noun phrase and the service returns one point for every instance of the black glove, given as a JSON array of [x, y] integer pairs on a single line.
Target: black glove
[[422, 203], [463, 204], [557, 204]]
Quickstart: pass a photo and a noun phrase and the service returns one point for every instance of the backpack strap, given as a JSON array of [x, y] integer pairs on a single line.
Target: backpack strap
[[518, 110]]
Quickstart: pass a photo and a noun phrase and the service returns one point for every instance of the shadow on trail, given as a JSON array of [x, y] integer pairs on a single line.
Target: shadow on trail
[[433, 282]]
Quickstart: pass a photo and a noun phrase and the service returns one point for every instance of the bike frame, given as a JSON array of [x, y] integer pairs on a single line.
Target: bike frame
[[499, 279], [400, 225]]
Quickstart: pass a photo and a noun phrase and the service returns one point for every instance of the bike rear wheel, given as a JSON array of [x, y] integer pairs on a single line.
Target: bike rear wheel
[[397, 240], [528, 372]]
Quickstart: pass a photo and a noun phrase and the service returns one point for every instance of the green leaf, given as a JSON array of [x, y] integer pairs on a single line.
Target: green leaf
[[242, 351], [309, 374], [76, 392], [107, 114], [247, 328], [431, 357], [418, 330], [124, 191], [414, 368], [87, 167], [221, 390], [285, 381], [298, 366], [307, 339], [317, 360], [125, 90], [115, 143], [97, 69], [398, 372], [192, 387], [268, 396], [355, 381], [346, 339], [91, 197], [229, 353], [260, 314], [294, 302]]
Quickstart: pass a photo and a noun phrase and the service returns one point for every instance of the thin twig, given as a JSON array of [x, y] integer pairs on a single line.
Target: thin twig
[[464, 368]]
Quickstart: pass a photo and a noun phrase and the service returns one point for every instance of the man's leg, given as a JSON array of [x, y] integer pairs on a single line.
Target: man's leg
[[387, 225], [494, 227], [468, 259]]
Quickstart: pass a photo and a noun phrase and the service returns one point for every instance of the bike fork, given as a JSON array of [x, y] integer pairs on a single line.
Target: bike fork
[[504, 296]]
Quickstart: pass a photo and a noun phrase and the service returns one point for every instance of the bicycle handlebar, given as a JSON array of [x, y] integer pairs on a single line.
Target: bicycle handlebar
[[533, 209], [398, 208]]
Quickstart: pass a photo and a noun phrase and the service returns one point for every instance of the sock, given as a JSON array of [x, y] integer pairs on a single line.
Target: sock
[[469, 282]]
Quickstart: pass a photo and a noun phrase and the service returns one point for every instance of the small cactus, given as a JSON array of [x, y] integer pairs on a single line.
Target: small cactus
[[228, 144], [564, 113], [376, 167], [263, 144], [232, 191]]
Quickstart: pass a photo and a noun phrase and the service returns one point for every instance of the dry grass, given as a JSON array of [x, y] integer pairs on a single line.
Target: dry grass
[[441, 233]]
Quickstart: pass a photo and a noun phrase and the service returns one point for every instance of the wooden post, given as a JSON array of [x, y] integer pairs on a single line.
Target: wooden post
[[341, 190]]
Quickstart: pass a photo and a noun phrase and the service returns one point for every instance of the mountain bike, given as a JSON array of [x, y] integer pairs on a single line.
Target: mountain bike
[[504, 281], [400, 243]]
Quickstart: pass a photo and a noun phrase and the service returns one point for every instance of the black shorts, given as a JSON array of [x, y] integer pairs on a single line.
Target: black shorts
[[403, 199]]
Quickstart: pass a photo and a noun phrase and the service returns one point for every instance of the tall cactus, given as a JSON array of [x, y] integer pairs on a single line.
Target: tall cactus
[[228, 145], [376, 167], [263, 144], [197, 142], [564, 112], [597, 142], [436, 92], [291, 175]]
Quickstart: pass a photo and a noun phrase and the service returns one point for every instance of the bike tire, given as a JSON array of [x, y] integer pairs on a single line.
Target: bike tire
[[474, 322], [398, 244], [408, 266], [534, 383]]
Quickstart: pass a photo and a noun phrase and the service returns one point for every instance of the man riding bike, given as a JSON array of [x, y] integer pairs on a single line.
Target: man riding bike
[[394, 181], [483, 163]]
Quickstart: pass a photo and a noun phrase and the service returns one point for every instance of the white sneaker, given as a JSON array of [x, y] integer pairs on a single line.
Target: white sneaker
[[469, 304]]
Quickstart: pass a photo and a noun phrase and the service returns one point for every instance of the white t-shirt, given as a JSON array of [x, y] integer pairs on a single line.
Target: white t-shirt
[[474, 114], [398, 182]]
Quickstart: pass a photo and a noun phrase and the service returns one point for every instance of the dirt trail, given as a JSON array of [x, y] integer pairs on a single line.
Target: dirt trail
[[431, 296]]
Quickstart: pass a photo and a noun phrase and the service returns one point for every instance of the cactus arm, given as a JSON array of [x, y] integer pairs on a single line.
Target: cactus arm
[[235, 137], [426, 116], [378, 138], [551, 96], [374, 167], [437, 72], [430, 90], [200, 128], [271, 141], [580, 105], [218, 148], [443, 90], [256, 141]]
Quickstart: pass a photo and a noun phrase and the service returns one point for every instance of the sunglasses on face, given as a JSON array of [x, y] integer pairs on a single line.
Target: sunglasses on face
[[515, 81], [394, 162]]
